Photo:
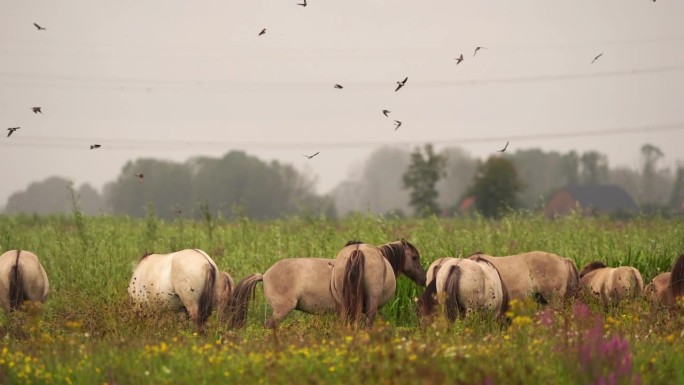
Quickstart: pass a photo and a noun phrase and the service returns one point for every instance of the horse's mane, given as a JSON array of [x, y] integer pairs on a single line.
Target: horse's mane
[[591, 266], [145, 255], [395, 255], [352, 242], [410, 246]]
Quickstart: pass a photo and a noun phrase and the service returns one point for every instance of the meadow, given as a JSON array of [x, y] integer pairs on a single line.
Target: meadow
[[88, 333]]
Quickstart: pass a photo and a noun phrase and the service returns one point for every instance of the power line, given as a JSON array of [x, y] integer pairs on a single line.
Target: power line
[[27, 79], [113, 144]]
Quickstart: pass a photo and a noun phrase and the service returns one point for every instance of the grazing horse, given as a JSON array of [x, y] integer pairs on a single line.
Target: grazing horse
[[666, 287], [187, 278], [304, 284], [364, 277], [611, 284], [22, 278], [463, 286], [544, 276]]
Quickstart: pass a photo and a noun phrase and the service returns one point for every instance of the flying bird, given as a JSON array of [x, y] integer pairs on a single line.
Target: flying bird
[[401, 84], [263, 31], [597, 56], [385, 112], [39, 27], [503, 149], [11, 130], [302, 4], [459, 59], [477, 49], [311, 156], [398, 124], [140, 176], [93, 146], [339, 87], [36, 110]]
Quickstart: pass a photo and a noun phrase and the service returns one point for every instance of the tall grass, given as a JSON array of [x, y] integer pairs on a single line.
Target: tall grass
[[88, 333]]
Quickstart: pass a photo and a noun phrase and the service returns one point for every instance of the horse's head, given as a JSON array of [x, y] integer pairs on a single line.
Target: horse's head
[[412, 266]]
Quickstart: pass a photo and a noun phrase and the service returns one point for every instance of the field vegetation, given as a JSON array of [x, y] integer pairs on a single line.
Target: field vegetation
[[88, 333]]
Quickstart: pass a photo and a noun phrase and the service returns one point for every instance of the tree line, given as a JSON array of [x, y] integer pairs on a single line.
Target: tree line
[[235, 185], [392, 180]]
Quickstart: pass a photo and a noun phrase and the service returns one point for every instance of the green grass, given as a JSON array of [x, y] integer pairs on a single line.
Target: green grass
[[87, 333]]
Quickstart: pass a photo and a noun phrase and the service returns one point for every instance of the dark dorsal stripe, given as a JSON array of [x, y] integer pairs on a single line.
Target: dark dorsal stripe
[[591, 267]]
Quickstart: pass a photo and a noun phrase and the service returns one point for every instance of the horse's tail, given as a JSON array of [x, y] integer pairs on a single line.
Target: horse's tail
[[677, 277], [239, 301], [505, 298], [426, 302], [206, 299], [16, 284], [454, 306], [353, 296], [573, 284]]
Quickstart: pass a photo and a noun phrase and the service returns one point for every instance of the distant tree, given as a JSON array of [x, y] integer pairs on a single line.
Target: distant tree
[[90, 201], [459, 170], [570, 166], [540, 172], [677, 196], [165, 185], [49, 196], [376, 184], [594, 167], [421, 177], [495, 186], [650, 156]]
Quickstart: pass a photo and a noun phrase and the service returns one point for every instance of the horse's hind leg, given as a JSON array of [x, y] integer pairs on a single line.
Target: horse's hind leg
[[280, 311], [371, 310]]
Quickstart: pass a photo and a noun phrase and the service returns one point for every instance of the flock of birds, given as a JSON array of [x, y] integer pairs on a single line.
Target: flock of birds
[[38, 110], [400, 84]]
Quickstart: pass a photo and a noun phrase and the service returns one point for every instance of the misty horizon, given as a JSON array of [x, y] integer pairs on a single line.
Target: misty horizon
[[173, 81]]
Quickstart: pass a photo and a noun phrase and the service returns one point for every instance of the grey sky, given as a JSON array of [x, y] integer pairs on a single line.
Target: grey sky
[[174, 79]]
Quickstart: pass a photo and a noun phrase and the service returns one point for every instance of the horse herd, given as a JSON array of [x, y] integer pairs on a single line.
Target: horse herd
[[358, 282]]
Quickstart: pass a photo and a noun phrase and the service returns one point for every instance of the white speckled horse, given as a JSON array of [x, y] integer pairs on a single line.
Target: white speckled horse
[[463, 286], [187, 278]]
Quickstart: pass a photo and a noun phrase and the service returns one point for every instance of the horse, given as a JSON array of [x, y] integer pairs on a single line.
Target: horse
[[364, 277], [546, 277], [303, 284], [186, 279], [464, 286], [22, 278], [667, 287], [611, 284]]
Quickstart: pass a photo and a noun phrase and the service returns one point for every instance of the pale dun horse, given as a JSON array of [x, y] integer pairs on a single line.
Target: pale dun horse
[[611, 284], [667, 287], [464, 286], [364, 277], [304, 283], [546, 277], [186, 279], [22, 278]]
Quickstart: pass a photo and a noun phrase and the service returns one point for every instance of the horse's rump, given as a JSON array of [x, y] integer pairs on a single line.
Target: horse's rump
[[677, 277]]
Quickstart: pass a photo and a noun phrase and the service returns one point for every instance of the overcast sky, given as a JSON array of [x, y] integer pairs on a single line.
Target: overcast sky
[[175, 79]]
